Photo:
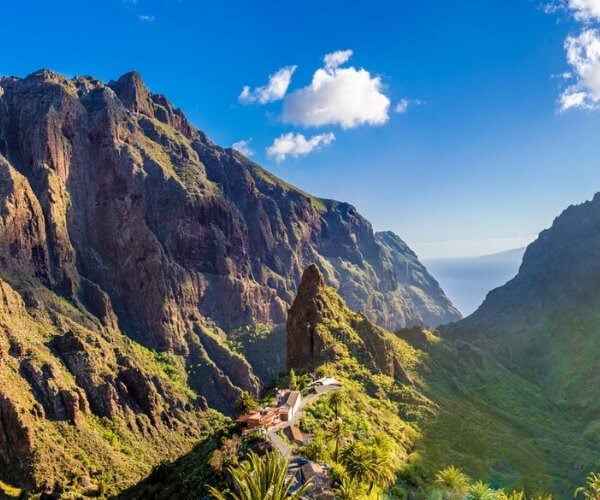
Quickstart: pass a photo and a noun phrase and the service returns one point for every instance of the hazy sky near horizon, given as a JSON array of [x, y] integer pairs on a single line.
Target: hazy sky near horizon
[[463, 126]]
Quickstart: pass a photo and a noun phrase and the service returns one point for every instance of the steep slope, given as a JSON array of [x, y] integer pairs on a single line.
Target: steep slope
[[132, 252], [543, 327], [322, 329], [469, 398], [459, 399], [82, 407], [171, 226], [545, 323]]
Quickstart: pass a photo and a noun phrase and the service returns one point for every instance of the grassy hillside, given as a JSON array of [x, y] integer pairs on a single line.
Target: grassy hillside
[[456, 402]]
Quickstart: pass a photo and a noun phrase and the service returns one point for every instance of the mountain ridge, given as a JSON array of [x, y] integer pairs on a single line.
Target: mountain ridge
[[124, 229]]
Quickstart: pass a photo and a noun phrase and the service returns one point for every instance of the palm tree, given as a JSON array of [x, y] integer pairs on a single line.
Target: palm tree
[[337, 431], [246, 403], [316, 449], [336, 399], [592, 489], [348, 489], [453, 482], [366, 463], [293, 383], [515, 495], [261, 479], [482, 491]]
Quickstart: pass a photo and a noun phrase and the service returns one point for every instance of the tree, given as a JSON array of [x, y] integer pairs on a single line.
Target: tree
[[514, 495], [226, 455], [261, 479], [293, 383], [316, 449], [348, 489], [368, 464], [246, 403], [453, 483], [337, 431], [482, 491], [592, 489], [336, 400]]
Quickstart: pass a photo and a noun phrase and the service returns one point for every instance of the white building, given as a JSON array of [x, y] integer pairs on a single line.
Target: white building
[[289, 403]]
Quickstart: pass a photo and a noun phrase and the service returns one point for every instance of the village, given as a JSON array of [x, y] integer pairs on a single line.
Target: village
[[269, 421]]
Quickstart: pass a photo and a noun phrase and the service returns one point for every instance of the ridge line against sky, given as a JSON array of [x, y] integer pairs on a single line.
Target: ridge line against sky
[[465, 127]]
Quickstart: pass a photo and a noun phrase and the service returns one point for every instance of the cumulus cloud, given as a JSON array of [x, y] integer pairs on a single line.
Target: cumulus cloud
[[146, 18], [585, 10], [343, 96], [297, 145], [274, 90], [583, 55], [243, 147]]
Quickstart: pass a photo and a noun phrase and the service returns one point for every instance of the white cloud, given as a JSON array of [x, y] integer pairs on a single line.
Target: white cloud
[[552, 7], [565, 75], [583, 55], [585, 10], [402, 106], [274, 90], [348, 97], [297, 145], [146, 18], [243, 147], [337, 58]]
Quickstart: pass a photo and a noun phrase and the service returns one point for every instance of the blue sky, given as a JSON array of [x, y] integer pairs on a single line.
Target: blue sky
[[494, 142]]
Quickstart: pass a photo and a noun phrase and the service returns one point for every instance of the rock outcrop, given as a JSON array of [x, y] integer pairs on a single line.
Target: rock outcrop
[[71, 387], [322, 329]]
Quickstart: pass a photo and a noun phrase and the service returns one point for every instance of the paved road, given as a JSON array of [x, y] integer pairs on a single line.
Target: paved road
[[282, 446]]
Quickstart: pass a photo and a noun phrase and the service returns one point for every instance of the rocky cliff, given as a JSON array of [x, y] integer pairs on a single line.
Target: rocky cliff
[[80, 404], [322, 329], [129, 196], [122, 229]]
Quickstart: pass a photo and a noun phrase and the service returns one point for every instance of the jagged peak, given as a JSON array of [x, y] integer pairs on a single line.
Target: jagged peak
[[45, 75], [312, 281], [133, 93]]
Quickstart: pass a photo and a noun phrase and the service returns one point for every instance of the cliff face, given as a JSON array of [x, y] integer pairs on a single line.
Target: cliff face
[[322, 329], [119, 221], [544, 326], [77, 397], [170, 226]]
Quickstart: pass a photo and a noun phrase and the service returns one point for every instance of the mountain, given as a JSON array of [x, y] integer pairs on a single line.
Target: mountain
[[545, 321], [134, 254], [509, 394], [322, 329], [543, 327], [467, 280], [378, 397]]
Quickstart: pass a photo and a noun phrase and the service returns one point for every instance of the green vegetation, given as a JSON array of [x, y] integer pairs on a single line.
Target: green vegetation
[[261, 479], [246, 403], [264, 348], [8, 491], [592, 489]]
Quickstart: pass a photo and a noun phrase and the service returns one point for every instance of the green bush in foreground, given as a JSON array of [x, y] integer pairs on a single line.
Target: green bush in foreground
[[261, 479]]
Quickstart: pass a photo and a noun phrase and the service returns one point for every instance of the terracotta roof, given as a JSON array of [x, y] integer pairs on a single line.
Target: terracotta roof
[[292, 398], [294, 433], [244, 418]]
